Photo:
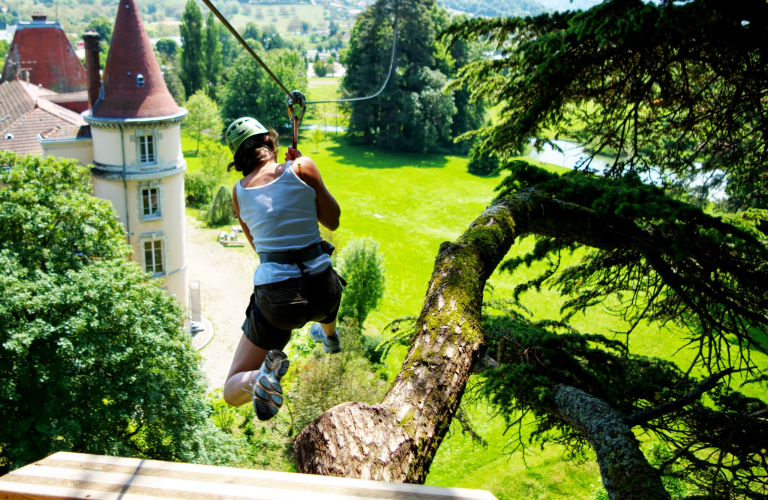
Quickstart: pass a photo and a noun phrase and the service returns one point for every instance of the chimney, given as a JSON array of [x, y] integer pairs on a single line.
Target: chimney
[[91, 42], [39, 16]]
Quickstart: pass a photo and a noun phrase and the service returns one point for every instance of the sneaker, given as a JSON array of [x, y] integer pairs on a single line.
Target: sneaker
[[267, 393], [331, 345]]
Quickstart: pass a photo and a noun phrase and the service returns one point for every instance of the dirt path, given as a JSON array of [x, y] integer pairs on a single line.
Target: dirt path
[[226, 283]]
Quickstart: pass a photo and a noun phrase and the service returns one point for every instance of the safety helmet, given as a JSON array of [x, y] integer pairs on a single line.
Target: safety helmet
[[240, 130]]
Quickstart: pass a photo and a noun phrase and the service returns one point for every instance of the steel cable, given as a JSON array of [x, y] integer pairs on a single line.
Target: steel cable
[[277, 80]]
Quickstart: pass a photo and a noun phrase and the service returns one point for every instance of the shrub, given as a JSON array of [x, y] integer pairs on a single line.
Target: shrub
[[322, 381], [484, 165], [361, 265], [200, 186], [221, 211]]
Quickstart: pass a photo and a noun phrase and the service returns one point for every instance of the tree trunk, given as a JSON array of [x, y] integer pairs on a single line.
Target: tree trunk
[[627, 475], [397, 439]]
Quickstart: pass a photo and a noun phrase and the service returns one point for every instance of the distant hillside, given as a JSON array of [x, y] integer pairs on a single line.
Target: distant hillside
[[496, 8], [568, 4], [508, 8]]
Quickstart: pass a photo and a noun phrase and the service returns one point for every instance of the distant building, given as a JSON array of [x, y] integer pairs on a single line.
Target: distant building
[[132, 142], [27, 110], [41, 53]]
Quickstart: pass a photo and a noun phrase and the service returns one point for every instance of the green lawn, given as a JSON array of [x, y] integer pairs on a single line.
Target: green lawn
[[410, 203]]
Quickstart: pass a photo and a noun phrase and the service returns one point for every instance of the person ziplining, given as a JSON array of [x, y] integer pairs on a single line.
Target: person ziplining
[[279, 206]]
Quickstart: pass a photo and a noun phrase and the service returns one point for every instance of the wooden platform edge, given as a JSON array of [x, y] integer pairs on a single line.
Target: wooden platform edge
[[96, 477]]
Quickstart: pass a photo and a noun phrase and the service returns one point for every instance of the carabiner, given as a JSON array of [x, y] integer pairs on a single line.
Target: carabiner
[[296, 98]]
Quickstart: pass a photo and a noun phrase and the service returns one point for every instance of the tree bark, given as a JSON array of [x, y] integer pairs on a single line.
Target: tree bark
[[396, 440], [627, 475]]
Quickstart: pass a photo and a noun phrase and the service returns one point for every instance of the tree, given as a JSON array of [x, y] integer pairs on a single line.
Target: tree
[[200, 186], [192, 57], [222, 210], [362, 266], [103, 27], [413, 111], [167, 48], [687, 104], [93, 356], [213, 56], [203, 115], [652, 257], [251, 92], [320, 68], [316, 137], [173, 83], [483, 164]]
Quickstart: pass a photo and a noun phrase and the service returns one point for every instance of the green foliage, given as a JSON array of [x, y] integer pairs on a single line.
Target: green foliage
[[93, 356], [413, 111], [192, 56], [203, 116], [316, 137], [200, 185], [719, 268], [213, 57], [362, 266], [322, 381], [167, 48], [4, 47], [483, 164], [251, 92], [320, 68], [103, 27], [535, 356], [687, 103], [222, 210], [173, 83]]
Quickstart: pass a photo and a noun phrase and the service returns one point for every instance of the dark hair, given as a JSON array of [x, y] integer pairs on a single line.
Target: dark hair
[[254, 152]]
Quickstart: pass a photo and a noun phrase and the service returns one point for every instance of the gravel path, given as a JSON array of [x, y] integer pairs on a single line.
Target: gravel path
[[226, 283]]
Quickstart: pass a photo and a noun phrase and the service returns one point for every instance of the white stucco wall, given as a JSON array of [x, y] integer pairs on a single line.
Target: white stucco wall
[[82, 151], [166, 174]]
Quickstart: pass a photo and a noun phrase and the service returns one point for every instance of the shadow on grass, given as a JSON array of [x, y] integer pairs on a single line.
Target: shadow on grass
[[365, 157]]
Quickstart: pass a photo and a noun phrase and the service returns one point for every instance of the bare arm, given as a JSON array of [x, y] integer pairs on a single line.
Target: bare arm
[[328, 210], [237, 214]]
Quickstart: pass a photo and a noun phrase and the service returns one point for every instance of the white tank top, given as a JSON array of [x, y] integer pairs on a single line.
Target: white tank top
[[281, 216]]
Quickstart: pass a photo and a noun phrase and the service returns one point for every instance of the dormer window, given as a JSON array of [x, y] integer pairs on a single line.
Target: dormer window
[[139, 80]]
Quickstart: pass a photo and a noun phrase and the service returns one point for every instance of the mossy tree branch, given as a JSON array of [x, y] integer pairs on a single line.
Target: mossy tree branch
[[397, 439]]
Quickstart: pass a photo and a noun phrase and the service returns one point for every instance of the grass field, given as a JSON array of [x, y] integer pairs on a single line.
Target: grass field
[[410, 203]]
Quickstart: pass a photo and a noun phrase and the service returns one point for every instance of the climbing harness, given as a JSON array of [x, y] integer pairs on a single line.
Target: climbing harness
[[296, 98]]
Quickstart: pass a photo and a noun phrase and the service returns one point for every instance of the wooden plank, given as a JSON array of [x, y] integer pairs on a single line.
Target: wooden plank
[[95, 477]]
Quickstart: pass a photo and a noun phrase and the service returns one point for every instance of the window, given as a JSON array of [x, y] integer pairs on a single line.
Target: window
[[150, 202], [146, 149], [140, 80], [153, 257]]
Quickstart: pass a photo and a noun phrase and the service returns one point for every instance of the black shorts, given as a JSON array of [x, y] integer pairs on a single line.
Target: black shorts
[[276, 309]]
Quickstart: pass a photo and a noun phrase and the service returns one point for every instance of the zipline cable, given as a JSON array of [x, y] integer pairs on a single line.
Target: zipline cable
[[277, 80], [297, 97], [389, 73], [245, 44]]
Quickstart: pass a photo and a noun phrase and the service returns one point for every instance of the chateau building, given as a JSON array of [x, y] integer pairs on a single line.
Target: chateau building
[[41, 53], [132, 143]]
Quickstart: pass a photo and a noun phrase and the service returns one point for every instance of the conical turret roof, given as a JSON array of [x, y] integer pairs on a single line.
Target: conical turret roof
[[133, 83]]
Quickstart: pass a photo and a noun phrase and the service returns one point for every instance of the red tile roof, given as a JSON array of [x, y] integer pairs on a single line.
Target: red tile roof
[[131, 55], [23, 115], [42, 48], [72, 132]]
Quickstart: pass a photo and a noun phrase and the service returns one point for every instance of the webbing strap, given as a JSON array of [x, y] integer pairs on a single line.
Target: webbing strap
[[293, 257]]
